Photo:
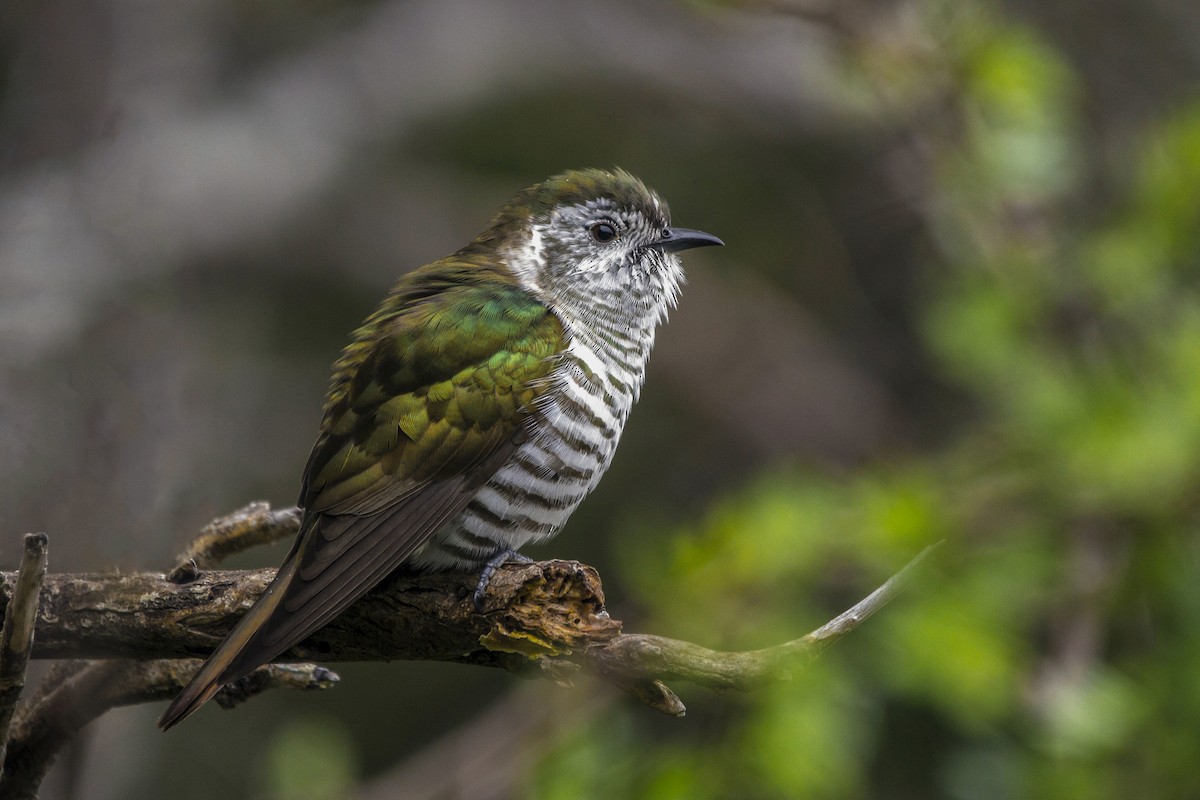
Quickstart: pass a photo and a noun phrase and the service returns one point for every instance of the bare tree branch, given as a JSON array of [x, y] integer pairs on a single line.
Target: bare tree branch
[[545, 619], [16, 637]]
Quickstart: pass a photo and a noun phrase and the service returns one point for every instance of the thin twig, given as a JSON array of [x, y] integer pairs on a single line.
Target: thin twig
[[633, 656], [851, 618], [247, 527], [16, 637]]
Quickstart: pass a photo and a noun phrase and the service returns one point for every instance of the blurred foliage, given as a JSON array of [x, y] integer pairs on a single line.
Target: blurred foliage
[[1051, 651], [310, 759]]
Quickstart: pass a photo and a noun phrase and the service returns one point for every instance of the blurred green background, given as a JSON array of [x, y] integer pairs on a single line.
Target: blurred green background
[[959, 301]]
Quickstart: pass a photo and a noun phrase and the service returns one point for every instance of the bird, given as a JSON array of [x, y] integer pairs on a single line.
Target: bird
[[474, 410]]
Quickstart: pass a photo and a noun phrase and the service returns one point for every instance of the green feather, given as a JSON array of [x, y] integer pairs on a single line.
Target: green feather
[[449, 366]]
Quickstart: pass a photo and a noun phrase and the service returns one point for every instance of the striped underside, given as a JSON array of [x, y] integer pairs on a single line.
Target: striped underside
[[576, 432]]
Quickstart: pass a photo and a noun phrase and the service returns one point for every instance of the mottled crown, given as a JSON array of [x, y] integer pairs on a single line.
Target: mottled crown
[[579, 187]]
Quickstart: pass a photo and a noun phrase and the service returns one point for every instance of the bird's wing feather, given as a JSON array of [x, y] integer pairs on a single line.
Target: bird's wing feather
[[431, 411], [350, 553], [431, 398]]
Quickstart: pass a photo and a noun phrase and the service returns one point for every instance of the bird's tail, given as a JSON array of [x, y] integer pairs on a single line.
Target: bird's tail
[[234, 657]]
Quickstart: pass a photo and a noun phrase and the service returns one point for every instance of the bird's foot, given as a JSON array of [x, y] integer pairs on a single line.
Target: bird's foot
[[489, 569]]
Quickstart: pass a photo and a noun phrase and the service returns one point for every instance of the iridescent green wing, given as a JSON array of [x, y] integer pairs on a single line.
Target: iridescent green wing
[[438, 378], [437, 390]]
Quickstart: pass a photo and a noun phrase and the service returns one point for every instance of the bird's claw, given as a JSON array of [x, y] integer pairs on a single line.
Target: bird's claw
[[489, 569]]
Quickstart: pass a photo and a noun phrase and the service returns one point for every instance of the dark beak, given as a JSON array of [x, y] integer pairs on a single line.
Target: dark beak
[[675, 239]]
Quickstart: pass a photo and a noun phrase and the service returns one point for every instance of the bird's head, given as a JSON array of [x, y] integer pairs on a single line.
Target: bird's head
[[596, 239]]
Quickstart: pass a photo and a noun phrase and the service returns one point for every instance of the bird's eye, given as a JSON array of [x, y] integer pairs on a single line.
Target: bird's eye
[[603, 232]]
